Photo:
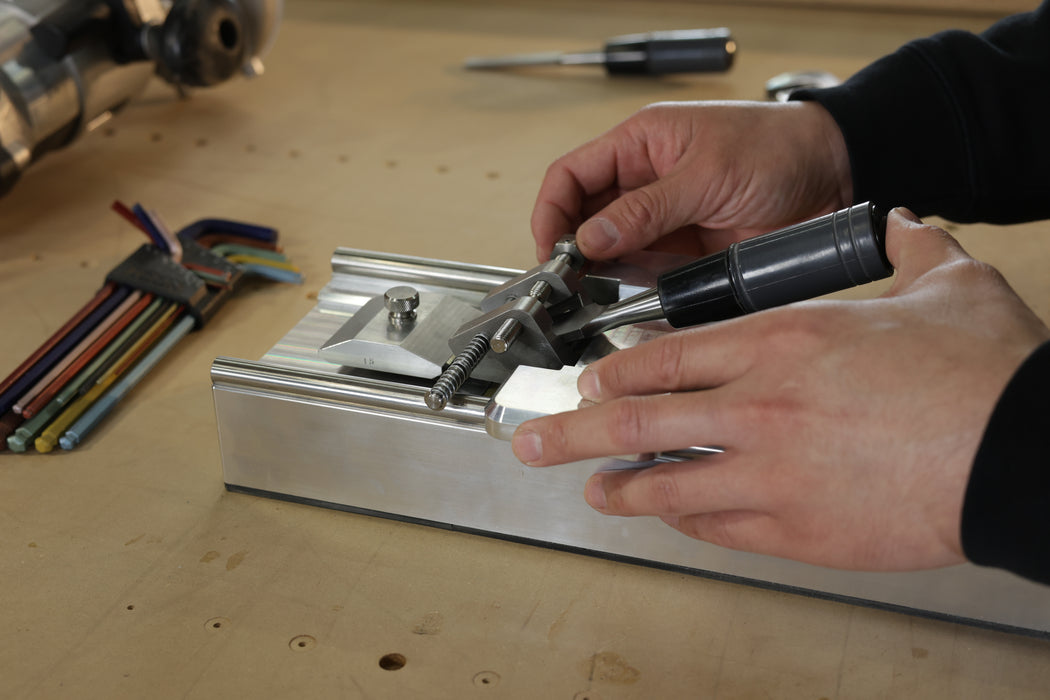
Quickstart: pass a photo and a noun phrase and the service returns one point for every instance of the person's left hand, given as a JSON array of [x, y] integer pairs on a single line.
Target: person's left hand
[[849, 427]]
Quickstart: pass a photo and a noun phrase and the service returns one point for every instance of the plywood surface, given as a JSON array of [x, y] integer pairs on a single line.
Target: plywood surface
[[987, 8], [129, 572]]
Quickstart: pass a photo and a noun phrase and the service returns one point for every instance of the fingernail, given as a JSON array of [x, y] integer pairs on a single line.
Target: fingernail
[[594, 493], [527, 446], [588, 385], [908, 214], [598, 235]]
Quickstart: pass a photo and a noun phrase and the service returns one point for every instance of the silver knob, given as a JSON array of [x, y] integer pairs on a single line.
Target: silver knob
[[402, 302]]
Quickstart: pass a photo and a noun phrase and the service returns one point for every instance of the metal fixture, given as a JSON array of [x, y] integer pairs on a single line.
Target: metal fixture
[[457, 373], [401, 302], [66, 66], [296, 425]]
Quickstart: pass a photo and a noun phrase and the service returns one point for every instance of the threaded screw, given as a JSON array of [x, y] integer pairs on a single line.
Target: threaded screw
[[457, 373]]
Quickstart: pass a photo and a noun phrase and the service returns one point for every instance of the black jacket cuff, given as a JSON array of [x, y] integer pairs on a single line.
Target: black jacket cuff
[[1006, 511]]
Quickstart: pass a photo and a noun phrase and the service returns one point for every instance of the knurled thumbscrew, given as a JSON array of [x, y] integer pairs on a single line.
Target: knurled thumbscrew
[[402, 302]]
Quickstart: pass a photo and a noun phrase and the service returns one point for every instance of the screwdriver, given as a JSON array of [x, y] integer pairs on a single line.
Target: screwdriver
[[651, 53], [833, 252]]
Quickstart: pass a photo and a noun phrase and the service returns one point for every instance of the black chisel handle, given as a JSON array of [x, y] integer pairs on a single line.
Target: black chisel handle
[[677, 51], [833, 252]]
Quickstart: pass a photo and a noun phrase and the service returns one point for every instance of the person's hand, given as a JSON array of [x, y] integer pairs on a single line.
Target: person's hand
[[694, 177], [849, 427]]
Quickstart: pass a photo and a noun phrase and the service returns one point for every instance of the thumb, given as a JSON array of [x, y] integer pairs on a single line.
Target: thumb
[[915, 248], [636, 219]]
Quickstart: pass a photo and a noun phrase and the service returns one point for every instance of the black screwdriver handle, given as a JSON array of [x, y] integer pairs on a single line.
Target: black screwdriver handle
[[677, 51], [833, 252]]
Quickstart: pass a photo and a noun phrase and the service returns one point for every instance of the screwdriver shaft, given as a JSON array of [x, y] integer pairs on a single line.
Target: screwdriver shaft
[[651, 53], [583, 58], [513, 60]]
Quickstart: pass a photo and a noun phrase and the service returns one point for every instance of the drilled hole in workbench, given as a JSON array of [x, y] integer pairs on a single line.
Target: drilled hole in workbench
[[486, 679], [216, 623], [303, 642], [131, 607], [392, 662]]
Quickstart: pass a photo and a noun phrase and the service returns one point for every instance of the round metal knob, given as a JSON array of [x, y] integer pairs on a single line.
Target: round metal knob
[[401, 302]]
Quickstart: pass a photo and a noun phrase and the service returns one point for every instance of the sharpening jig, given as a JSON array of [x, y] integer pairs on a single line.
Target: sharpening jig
[[396, 395]]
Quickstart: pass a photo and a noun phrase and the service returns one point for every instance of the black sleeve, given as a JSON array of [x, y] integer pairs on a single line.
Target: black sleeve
[[957, 124], [1006, 511]]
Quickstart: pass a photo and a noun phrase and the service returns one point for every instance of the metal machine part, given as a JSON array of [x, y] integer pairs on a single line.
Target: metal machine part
[[401, 303], [296, 426], [516, 322], [417, 347], [513, 321], [67, 65], [780, 87], [542, 317], [517, 400]]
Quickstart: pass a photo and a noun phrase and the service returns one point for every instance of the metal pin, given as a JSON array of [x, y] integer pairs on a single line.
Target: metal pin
[[505, 335]]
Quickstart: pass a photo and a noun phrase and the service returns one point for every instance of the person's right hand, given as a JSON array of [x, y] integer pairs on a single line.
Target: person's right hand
[[849, 428], [694, 177]]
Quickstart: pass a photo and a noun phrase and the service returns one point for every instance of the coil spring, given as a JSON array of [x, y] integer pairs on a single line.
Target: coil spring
[[457, 372]]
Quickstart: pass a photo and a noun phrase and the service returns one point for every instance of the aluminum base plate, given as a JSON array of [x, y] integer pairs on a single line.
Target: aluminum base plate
[[295, 426]]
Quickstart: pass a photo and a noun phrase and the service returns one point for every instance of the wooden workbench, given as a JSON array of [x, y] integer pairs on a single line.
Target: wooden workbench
[[128, 571]]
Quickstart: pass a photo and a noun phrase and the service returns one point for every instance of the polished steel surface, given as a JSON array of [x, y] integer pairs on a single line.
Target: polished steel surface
[[546, 58], [50, 94], [505, 335], [409, 269], [417, 347], [560, 279], [637, 309], [46, 102], [536, 345], [531, 392], [295, 426]]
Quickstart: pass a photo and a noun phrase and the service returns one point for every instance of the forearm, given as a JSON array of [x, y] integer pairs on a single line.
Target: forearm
[[966, 112]]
